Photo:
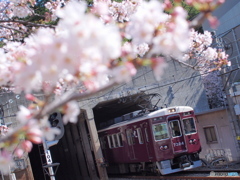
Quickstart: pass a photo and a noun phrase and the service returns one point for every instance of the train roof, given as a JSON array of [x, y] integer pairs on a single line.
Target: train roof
[[157, 113]]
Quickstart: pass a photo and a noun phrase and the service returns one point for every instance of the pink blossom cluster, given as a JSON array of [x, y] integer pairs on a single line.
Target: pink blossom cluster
[[15, 8], [3, 130], [214, 89], [53, 6], [205, 57], [9, 10]]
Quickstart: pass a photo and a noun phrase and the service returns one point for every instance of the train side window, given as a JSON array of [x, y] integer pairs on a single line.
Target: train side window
[[130, 137], [115, 140], [189, 126], [140, 137], [110, 141], [120, 141], [175, 128], [146, 134], [160, 131]]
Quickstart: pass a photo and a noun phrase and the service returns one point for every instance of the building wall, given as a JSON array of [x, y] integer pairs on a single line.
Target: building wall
[[224, 132], [228, 16]]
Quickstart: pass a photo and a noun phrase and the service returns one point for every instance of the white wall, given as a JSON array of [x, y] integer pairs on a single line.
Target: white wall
[[224, 131]]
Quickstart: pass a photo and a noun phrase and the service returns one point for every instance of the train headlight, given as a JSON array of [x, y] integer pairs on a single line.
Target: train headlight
[[172, 110], [164, 147], [192, 141]]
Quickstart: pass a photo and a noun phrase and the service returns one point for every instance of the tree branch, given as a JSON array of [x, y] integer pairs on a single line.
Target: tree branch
[[27, 23], [72, 95], [186, 64], [69, 96], [12, 29]]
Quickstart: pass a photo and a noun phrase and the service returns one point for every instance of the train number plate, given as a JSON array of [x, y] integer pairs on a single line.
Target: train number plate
[[178, 144]]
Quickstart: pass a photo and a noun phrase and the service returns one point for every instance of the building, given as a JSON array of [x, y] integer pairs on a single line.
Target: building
[[221, 126]]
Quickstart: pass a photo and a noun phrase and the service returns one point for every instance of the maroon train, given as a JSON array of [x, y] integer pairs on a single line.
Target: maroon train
[[164, 141]]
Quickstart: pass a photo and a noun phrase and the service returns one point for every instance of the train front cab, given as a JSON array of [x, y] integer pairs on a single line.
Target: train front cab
[[184, 142]]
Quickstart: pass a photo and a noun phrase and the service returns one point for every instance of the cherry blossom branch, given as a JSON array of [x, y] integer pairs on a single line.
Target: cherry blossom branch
[[72, 95], [12, 29], [27, 23], [186, 64], [57, 103]]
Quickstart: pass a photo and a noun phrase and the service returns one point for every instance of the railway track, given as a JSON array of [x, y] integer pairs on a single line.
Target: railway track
[[188, 175], [172, 177]]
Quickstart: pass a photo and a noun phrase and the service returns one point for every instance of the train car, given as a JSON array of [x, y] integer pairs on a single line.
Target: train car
[[163, 141]]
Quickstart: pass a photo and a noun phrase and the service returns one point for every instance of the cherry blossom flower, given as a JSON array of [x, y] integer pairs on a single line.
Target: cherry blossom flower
[[5, 161], [23, 115], [48, 131], [142, 49], [126, 71], [71, 111], [144, 22], [27, 145], [34, 134], [3, 130]]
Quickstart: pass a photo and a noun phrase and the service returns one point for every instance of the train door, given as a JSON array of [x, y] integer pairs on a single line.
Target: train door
[[147, 140], [131, 143], [178, 140]]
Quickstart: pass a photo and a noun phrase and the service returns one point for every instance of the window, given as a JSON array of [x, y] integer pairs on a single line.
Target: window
[[110, 141], [160, 131], [130, 137], [189, 126], [146, 134], [210, 134], [120, 141], [175, 128], [115, 140], [140, 137]]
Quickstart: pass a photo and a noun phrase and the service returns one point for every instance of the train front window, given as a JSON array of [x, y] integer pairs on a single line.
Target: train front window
[[160, 131], [175, 128], [189, 126]]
